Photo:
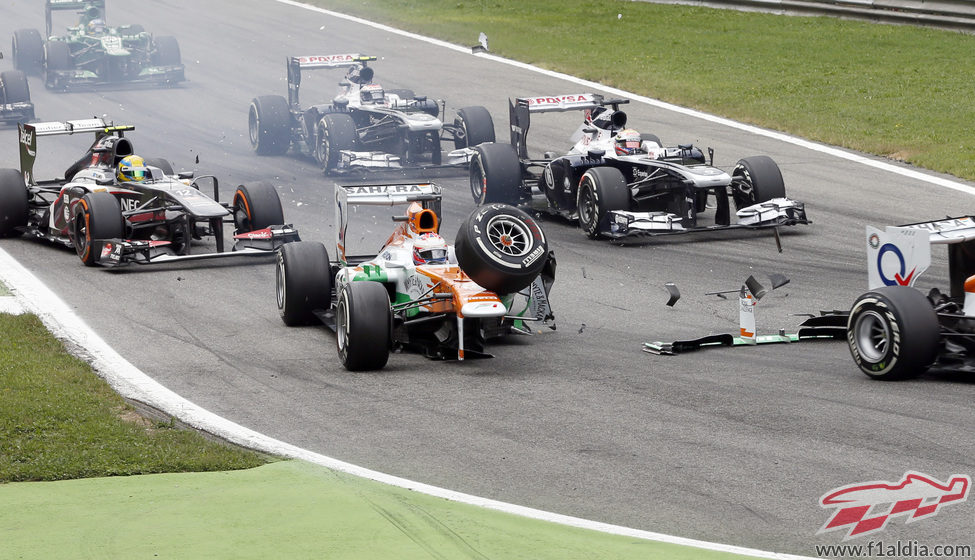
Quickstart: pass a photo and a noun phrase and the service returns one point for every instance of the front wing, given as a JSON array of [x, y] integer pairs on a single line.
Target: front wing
[[152, 75], [773, 213], [121, 252]]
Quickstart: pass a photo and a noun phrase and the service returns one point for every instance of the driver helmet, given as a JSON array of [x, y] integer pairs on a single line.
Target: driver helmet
[[429, 248], [132, 169], [96, 26], [372, 93], [628, 142]]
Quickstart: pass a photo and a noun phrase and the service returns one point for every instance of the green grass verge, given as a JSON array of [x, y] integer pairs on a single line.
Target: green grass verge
[[58, 420], [289, 509], [898, 91]]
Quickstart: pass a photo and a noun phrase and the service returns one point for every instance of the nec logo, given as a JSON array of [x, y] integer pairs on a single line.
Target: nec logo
[[866, 507]]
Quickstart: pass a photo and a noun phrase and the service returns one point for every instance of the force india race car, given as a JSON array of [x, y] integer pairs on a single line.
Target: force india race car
[[495, 279], [651, 190], [364, 126], [93, 54], [894, 331], [111, 223], [15, 105]]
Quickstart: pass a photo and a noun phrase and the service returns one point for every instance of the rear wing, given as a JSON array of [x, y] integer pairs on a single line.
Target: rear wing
[[897, 256], [89, 9], [394, 194], [27, 135], [521, 108], [319, 62]]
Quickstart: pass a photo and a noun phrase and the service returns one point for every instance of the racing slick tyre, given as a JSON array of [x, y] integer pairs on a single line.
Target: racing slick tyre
[[167, 52], [893, 332], [302, 282], [257, 206], [161, 163], [363, 326], [601, 190], [474, 126], [756, 179], [57, 56], [495, 174], [28, 51], [96, 216], [14, 203], [501, 248], [269, 125], [15, 88], [336, 132]]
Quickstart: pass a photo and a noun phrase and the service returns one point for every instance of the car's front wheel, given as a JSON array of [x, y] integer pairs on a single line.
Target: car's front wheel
[[364, 326], [257, 206], [601, 190], [96, 216]]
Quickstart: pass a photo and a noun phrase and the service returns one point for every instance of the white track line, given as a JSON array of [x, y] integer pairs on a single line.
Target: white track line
[[132, 383], [782, 137]]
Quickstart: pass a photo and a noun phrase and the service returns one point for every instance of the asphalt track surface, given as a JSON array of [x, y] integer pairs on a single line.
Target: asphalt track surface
[[733, 446]]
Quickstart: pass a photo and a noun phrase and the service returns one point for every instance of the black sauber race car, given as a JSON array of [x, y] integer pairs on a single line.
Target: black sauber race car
[[112, 223], [364, 126], [93, 54], [15, 104], [617, 182]]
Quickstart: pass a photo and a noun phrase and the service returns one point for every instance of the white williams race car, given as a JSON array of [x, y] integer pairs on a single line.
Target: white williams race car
[[419, 292], [364, 126], [617, 182]]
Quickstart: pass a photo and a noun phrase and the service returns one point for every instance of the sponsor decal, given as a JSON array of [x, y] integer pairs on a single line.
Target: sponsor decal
[[945, 225], [865, 508], [874, 240], [327, 59], [533, 256], [259, 234], [383, 189], [560, 99], [27, 139], [107, 249], [900, 278], [128, 204]]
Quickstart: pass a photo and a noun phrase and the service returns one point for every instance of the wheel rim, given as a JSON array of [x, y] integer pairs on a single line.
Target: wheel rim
[[478, 180], [254, 126], [81, 242], [509, 236], [872, 335], [324, 149], [342, 324], [587, 205], [279, 285]]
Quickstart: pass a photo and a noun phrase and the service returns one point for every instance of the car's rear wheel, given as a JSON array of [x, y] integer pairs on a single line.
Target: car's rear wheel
[[474, 126], [601, 190], [495, 174], [364, 326], [269, 125], [27, 48], [756, 179], [257, 206], [96, 216], [303, 282], [15, 87], [14, 203], [893, 333], [501, 248], [167, 51], [336, 132]]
